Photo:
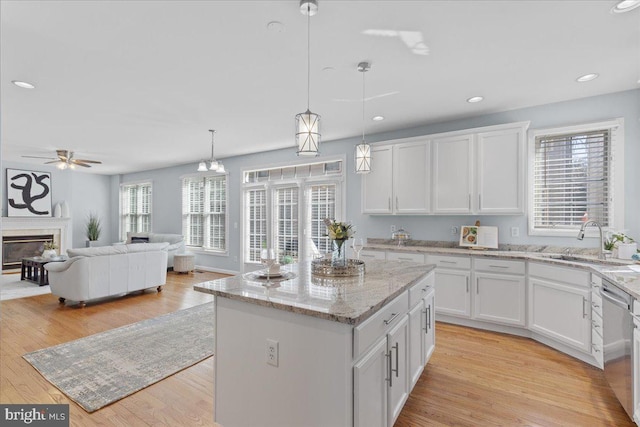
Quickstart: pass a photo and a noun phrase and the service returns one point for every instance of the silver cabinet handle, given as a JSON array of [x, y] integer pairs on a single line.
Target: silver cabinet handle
[[429, 317], [397, 205], [594, 305], [593, 346], [595, 324], [397, 360], [390, 379], [404, 258], [479, 202], [467, 284], [448, 262], [477, 286], [499, 266], [426, 322], [389, 203], [469, 201], [584, 310], [393, 317]]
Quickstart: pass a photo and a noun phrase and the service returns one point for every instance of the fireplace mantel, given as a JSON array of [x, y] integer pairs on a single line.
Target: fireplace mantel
[[59, 227]]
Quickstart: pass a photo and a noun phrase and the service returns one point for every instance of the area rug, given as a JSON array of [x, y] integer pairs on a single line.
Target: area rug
[[100, 369], [11, 287]]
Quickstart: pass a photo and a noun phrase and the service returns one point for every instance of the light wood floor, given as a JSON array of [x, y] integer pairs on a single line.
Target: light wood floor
[[474, 378]]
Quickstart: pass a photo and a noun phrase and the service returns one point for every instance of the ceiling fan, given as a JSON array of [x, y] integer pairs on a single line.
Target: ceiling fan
[[66, 160]]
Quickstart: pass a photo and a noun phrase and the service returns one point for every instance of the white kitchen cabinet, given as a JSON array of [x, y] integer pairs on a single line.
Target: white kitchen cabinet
[[452, 172], [559, 305], [636, 361], [416, 343], [453, 295], [377, 185], [500, 166], [369, 255], [405, 256], [411, 178], [597, 343], [370, 377], [399, 181], [499, 298], [430, 327], [397, 345]]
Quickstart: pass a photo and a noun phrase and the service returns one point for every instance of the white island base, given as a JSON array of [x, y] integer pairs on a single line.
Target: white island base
[[321, 353]]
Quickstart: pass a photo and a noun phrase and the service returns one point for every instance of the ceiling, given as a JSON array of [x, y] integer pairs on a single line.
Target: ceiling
[[138, 85]]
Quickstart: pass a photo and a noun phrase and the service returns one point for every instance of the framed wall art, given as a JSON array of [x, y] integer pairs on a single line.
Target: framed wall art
[[28, 193]]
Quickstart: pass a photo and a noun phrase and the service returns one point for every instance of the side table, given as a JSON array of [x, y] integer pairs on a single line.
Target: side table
[[184, 263]]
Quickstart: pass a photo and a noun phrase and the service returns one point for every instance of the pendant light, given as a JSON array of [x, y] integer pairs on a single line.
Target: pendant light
[[214, 165], [363, 150], [308, 123]]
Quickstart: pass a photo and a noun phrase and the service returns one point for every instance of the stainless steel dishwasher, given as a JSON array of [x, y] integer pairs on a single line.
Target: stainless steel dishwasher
[[617, 337]]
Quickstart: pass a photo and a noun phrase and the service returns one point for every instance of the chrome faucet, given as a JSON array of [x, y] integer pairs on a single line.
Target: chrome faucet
[[581, 236]]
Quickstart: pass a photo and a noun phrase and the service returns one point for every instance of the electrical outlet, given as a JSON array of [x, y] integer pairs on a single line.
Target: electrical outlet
[[454, 230], [393, 228], [515, 232], [272, 352]]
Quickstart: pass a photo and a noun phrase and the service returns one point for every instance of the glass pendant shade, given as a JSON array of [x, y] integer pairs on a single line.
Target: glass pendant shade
[[220, 168], [214, 165], [363, 158], [308, 133], [202, 167]]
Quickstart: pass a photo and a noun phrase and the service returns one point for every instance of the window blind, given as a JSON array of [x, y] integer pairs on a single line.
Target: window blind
[[135, 205], [256, 214], [572, 178], [322, 204], [204, 211]]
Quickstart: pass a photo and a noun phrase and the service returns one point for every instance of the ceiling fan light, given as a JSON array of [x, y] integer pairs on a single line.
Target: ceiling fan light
[[625, 6], [202, 167], [363, 158], [62, 166], [308, 133]]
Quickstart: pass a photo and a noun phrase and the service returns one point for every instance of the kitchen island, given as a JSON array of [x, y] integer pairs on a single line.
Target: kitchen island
[[318, 351]]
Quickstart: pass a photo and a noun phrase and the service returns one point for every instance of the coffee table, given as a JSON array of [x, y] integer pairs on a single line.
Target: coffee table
[[33, 269]]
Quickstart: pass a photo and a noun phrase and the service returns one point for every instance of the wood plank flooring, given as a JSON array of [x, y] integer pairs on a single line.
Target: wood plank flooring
[[475, 378]]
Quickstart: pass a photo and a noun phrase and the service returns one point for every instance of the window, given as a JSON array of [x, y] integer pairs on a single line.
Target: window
[[204, 212], [572, 176], [135, 208], [288, 205]]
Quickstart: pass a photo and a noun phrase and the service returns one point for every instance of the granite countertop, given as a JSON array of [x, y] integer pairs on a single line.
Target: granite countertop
[[623, 273], [345, 300]]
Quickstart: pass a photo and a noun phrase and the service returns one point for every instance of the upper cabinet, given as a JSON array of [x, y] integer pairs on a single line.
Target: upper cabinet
[[477, 171], [399, 182]]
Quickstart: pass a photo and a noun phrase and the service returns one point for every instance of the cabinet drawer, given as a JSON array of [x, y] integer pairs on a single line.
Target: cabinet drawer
[[596, 282], [572, 276], [443, 261], [498, 266], [596, 303], [405, 256], [596, 348], [420, 290], [369, 255], [369, 331]]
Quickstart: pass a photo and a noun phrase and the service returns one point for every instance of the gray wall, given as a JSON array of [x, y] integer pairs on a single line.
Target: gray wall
[[83, 192], [167, 193]]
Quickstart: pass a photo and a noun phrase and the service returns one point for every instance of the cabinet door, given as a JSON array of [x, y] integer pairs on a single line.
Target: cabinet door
[[397, 345], [499, 158], [452, 171], [452, 293], [636, 374], [500, 298], [377, 185], [411, 178], [370, 385], [417, 326], [430, 330], [560, 311]]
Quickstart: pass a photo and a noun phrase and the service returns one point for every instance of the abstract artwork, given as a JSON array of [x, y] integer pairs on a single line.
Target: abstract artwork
[[28, 193]]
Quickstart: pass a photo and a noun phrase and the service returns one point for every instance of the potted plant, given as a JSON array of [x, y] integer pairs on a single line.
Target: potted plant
[[49, 249], [93, 229]]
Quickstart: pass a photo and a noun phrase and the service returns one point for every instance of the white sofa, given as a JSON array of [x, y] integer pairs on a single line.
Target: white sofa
[[105, 271], [176, 242]]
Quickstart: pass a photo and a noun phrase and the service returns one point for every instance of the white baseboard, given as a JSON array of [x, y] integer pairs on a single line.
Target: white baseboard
[[217, 270]]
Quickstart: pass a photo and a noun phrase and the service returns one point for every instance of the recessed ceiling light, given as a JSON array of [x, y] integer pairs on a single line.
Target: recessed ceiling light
[[377, 118], [475, 99], [275, 26], [587, 77], [625, 6], [24, 85]]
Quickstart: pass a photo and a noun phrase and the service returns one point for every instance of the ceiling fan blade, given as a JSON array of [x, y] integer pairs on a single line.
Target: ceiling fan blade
[[38, 157], [87, 161], [53, 161], [80, 164]]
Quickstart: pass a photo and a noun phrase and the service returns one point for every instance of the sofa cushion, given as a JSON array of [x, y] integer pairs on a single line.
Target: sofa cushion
[[161, 237], [98, 251], [149, 247]]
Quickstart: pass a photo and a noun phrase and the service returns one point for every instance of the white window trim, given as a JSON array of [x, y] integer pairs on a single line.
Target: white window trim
[[617, 178], [340, 180], [130, 183], [199, 249]]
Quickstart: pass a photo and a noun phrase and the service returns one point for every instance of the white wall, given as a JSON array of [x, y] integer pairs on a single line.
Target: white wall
[[167, 195]]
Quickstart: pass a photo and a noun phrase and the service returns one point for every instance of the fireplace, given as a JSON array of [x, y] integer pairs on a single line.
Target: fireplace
[[25, 228], [14, 248]]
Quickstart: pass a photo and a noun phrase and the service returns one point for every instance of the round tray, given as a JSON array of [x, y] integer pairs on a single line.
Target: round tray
[[323, 267]]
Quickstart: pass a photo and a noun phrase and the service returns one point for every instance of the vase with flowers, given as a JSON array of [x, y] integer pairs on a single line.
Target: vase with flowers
[[338, 233], [49, 249]]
